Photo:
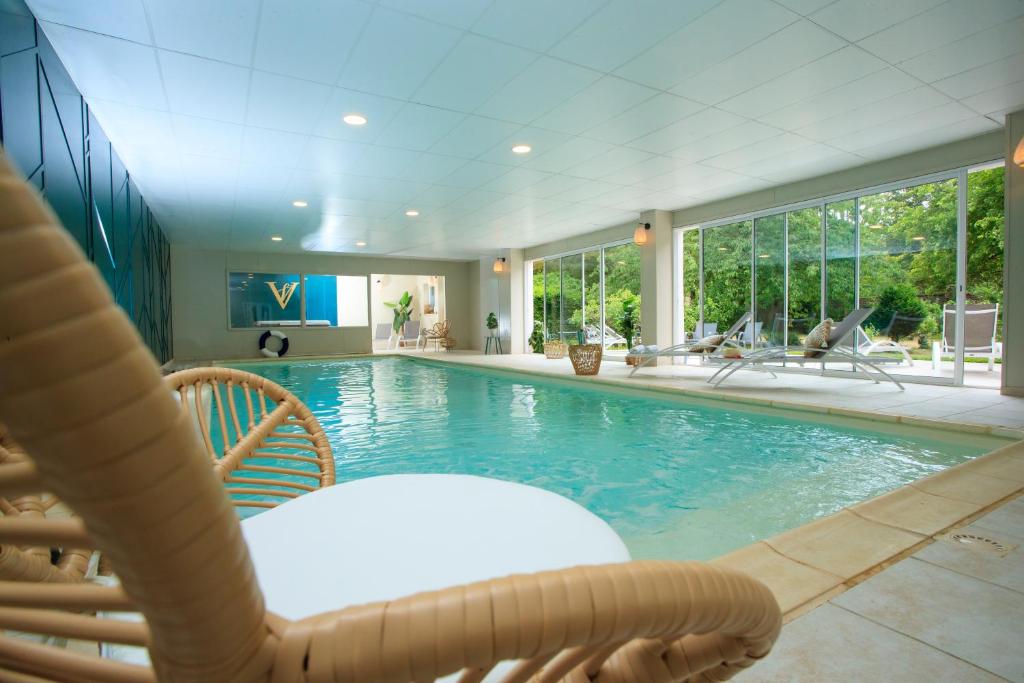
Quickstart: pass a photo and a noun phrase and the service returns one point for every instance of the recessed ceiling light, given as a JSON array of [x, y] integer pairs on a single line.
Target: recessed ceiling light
[[723, 249], [412, 212], [521, 149], [354, 119], [918, 238], [763, 255], [300, 203], [360, 244], [277, 238]]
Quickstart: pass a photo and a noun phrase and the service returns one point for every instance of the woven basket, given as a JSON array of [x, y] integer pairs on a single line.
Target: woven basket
[[585, 358], [554, 349]]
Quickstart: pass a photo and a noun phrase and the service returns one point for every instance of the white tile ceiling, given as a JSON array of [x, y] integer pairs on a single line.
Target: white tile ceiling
[[226, 111]]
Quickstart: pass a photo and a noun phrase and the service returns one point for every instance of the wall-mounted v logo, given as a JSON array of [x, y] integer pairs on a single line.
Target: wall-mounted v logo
[[284, 295]]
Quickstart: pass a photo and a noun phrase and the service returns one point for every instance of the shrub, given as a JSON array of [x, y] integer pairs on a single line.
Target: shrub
[[899, 312], [536, 340]]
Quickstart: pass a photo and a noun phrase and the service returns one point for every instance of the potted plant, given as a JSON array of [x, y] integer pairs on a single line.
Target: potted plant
[[630, 319], [492, 323], [402, 309]]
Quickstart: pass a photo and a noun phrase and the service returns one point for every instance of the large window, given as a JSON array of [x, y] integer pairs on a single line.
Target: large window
[[727, 271], [290, 300], [336, 301], [584, 292], [900, 250], [264, 299]]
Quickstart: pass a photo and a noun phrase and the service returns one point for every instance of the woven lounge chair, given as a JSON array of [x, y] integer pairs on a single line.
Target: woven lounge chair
[[95, 424], [686, 349], [264, 443], [843, 334], [438, 334]]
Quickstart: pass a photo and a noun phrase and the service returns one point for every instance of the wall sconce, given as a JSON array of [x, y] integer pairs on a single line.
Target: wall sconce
[[499, 264], [1018, 154], [640, 235]]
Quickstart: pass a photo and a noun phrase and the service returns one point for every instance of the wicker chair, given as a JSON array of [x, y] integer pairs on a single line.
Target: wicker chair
[[438, 334], [279, 453], [94, 423]]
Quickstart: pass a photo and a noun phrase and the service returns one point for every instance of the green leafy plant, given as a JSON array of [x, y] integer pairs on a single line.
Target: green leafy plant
[[491, 322], [630, 318], [899, 312], [402, 309], [536, 340]]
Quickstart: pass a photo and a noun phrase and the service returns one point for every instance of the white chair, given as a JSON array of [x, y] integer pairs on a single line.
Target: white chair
[[410, 333], [981, 322], [382, 334]]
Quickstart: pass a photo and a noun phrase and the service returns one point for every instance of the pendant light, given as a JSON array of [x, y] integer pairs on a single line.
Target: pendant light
[[640, 235]]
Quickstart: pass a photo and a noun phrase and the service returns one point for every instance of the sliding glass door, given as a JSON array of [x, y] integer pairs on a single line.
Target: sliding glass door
[[926, 257], [584, 293]]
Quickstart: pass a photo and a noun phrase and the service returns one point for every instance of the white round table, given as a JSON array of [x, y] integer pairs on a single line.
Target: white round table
[[382, 538]]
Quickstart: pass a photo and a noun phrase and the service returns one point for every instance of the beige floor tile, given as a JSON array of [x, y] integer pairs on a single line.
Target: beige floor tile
[[832, 645], [1008, 519], [974, 620], [792, 583], [914, 510], [960, 483], [1005, 570], [843, 544]]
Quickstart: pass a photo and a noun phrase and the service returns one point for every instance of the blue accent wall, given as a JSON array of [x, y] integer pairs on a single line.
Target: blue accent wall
[[51, 136]]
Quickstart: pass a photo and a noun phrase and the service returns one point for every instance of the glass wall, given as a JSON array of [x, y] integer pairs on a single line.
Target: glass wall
[[727, 270], [621, 288], [908, 267], [900, 250], [769, 282], [804, 271], [983, 318], [691, 282], [840, 259], [585, 291]]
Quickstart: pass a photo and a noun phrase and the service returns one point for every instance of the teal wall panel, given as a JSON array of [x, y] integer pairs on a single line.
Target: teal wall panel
[[49, 133]]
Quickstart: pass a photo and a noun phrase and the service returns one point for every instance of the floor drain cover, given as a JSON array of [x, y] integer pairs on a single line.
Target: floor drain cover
[[980, 543]]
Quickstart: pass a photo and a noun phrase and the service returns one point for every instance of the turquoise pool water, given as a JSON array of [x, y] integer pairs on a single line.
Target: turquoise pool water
[[675, 479]]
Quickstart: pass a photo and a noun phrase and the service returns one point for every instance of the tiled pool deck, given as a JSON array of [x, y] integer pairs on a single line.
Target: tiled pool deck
[[880, 590]]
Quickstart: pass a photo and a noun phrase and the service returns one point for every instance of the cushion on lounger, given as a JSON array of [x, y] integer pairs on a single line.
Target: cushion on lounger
[[708, 344], [818, 339]]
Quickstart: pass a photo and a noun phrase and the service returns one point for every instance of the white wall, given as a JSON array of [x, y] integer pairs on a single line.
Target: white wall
[[199, 300]]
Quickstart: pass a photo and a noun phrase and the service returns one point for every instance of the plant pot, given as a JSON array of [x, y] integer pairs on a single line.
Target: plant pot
[[586, 358], [554, 349]]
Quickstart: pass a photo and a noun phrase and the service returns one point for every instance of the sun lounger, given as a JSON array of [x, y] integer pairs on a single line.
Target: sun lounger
[[842, 334], [645, 357]]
